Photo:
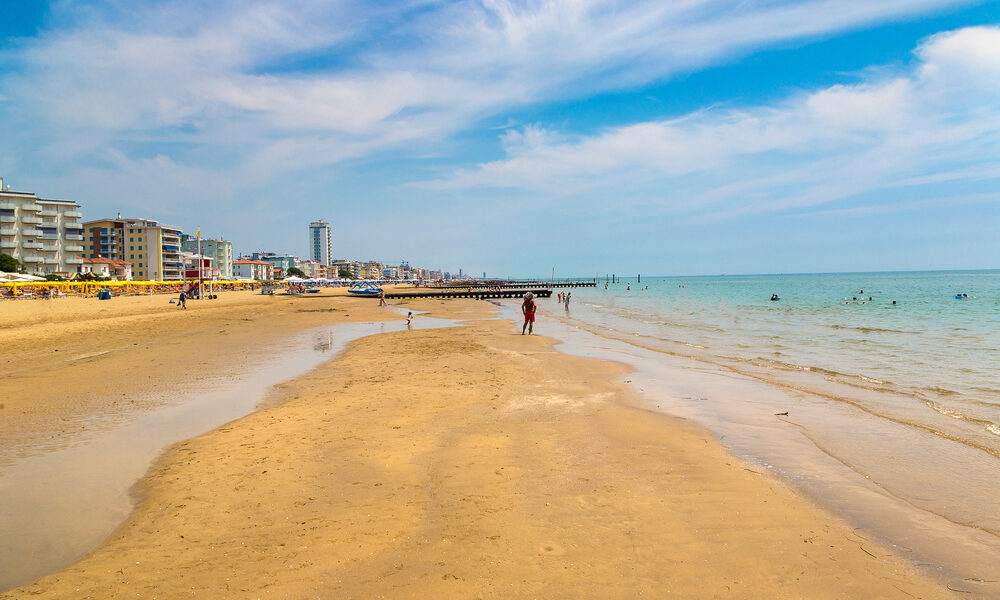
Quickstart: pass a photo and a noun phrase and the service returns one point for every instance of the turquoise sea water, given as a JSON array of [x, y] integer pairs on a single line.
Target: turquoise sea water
[[824, 334], [889, 414]]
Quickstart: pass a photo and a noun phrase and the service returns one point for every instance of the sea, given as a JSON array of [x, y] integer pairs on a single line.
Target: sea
[[876, 393]]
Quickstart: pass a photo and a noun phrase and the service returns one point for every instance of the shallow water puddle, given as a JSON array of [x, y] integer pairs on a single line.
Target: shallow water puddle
[[56, 506]]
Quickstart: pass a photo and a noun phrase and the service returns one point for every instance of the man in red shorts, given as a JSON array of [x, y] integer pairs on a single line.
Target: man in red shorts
[[528, 308]]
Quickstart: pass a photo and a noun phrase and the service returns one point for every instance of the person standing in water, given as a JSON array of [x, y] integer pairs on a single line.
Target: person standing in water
[[528, 308]]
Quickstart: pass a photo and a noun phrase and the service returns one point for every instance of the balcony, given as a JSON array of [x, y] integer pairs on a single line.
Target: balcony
[[32, 220], [48, 247], [31, 207], [31, 258], [50, 260], [74, 261], [31, 232], [73, 213], [74, 226], [8, 219], [8, 231], [74, 237], [72, 248], [32, 245], [48, 212], [8, 244], [8, 205]]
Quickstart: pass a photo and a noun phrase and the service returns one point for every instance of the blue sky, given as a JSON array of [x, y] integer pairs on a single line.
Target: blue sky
[[689, 137]]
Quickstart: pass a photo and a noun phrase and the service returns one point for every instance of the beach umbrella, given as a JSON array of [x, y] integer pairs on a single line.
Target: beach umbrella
[[19, 277], [294, 279]]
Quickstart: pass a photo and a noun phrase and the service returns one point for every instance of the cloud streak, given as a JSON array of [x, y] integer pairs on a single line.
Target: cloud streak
[[256, 79], [940, 121]]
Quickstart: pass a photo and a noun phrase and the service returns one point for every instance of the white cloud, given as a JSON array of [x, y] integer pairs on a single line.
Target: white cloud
[[241, 75], [940, 120]]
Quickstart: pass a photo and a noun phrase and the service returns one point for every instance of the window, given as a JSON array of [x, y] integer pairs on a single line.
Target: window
[[131, 239], [132, 256]]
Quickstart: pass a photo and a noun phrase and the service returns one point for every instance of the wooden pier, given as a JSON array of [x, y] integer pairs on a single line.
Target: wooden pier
[[522, 285], [465, 293]]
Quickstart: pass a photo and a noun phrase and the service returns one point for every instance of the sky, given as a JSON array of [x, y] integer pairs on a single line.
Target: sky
[[517, 137]]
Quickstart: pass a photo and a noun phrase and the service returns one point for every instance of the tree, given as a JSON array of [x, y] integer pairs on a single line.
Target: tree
[[297, 272], [345, 274], [9, 264], [53, 277]]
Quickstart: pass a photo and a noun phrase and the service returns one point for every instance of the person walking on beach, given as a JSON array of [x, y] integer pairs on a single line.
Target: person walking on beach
[[409, 320], [381, 298], [528, 308], [182, 300]]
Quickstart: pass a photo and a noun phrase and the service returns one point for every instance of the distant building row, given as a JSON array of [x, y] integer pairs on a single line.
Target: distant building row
[[48, 237]]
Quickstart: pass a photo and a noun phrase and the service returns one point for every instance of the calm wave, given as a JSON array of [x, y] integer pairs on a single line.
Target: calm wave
[[837, 335]]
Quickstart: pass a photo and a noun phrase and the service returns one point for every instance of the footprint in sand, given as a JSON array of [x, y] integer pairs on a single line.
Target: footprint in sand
[[551, 549]]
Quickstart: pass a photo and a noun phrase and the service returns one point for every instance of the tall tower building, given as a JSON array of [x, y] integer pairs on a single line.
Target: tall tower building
[[321, 242]]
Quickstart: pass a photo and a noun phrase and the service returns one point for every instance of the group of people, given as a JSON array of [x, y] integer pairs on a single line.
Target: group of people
[[528, 308]]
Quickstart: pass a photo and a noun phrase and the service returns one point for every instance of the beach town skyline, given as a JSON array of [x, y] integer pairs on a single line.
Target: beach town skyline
[[768, 138]]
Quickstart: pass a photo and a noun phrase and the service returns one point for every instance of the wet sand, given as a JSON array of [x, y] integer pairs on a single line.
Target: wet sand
[[467, 462]]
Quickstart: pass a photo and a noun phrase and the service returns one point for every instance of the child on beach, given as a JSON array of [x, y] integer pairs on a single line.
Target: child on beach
[[409, 320]]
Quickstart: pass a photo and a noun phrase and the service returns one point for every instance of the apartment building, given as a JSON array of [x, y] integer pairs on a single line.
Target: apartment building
[[311, 268], [42, 234], [284, 261], [219, 249], [153, 249], [351, 266], [371, 270], [260, 270], [321, 242]]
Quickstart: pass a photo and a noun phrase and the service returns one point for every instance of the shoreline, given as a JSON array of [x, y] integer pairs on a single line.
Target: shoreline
[[536, 403], [800, 448]]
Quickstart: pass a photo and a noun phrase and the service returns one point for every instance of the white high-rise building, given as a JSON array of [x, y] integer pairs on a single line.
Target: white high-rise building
[[321, 242], [44, 235]]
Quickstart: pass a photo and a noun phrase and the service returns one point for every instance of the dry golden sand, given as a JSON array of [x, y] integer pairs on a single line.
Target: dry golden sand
[[468, 462]]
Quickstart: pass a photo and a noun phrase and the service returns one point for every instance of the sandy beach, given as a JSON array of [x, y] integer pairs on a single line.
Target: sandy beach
[[467, 461]]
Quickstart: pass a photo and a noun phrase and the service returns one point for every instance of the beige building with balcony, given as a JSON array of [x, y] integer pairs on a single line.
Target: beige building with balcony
[[153, 249], [44, 235]]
